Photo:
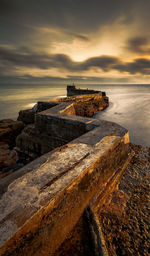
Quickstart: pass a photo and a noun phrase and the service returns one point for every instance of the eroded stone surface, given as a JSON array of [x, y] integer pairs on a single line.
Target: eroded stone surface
[[86, 105], [28, 189]]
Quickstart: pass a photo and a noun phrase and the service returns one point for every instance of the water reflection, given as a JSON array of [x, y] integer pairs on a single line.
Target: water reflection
[[22, 97]]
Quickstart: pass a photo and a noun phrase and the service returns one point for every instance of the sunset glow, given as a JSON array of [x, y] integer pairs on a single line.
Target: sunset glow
[[63, 39]]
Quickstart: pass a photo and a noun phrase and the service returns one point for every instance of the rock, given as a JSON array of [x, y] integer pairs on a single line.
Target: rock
[[26, 116], [86, 105], [7, 157], [9, 130]]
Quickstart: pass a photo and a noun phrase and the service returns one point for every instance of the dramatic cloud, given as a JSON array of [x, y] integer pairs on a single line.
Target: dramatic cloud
[[45, 61], [141, 66], [64, 62], [139, 45], [78, 15], [73, 38]]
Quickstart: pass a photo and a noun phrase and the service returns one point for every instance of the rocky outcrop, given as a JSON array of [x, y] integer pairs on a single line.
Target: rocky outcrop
[[9, 130], [26, 116], [86, 105], [7, 157]]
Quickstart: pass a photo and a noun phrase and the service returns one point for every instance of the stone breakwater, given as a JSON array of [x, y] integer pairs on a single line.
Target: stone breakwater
[[73, 91], [55, 204], [122, 215], [19, 146], [55, 127]]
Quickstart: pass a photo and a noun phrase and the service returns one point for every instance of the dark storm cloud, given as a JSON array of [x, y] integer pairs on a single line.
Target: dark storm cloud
[[141, 66], [76, 18], [64, 62], [139, 45], [103, 62], [81, 16]]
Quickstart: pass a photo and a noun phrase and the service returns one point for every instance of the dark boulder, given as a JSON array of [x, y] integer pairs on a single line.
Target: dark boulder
[[9, 130]]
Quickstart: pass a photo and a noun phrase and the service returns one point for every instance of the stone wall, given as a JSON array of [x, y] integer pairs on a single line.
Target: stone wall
[[53, 127], [45, 201], [72, 91], [40, 209], [42, 203]]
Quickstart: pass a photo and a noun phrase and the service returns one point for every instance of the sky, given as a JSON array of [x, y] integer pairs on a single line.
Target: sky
[[75, 40]]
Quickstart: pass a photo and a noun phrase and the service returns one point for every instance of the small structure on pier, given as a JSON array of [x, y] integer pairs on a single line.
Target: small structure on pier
[[72, 91]]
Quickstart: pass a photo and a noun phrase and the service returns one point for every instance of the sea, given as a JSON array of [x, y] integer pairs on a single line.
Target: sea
[[129, 104]]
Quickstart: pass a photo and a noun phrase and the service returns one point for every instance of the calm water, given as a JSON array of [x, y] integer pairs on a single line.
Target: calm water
[[15, 98], [129, 104]]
